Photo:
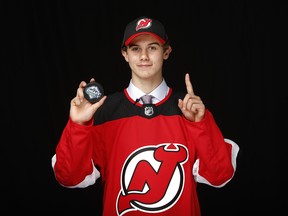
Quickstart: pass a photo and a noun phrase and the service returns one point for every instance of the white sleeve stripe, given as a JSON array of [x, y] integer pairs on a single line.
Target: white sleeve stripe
[[89, 179], [234, 153]]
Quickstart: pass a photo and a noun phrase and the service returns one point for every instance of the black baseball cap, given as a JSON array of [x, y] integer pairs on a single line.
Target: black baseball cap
[[144, 25]]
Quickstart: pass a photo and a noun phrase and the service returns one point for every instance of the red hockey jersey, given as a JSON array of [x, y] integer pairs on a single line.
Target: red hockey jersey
[[150, 157]]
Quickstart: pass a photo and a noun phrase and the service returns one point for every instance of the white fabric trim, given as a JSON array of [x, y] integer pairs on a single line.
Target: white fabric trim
[[200, 179], [89, 179]]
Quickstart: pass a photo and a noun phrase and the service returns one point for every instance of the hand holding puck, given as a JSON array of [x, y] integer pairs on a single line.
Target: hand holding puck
[[93, 92]]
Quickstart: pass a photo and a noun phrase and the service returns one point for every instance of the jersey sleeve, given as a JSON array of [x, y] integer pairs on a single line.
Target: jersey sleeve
[[72, 163], [215, 162]]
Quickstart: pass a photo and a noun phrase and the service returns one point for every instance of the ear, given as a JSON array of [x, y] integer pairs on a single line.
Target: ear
[[167, 52], [124, 54]]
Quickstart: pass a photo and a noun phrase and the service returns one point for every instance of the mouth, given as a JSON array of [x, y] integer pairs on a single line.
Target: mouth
[[144, 65]]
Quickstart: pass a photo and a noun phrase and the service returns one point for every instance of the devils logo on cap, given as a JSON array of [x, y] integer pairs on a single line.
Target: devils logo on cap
[[143, 23]]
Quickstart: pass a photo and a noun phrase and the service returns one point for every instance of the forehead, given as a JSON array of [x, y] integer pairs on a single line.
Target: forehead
[[144, 39]]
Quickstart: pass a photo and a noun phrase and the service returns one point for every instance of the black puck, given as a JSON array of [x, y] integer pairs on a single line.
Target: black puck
[[93, 92]]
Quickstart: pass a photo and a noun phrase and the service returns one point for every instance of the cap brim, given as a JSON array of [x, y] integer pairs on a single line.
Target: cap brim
[[128, 41]]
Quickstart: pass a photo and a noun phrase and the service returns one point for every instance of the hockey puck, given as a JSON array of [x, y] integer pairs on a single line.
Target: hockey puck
[[93, 92]]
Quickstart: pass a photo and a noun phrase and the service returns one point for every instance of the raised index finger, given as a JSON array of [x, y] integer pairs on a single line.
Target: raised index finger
[[189, 86]]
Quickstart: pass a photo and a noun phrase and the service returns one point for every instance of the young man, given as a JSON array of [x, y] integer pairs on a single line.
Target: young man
[[149, 156]]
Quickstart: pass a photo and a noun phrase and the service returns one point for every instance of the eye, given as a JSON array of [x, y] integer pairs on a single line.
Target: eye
[[152, 48], [134, 48]]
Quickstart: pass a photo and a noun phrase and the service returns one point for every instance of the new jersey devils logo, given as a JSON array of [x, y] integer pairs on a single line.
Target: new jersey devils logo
[[152, 178], [143, 23]]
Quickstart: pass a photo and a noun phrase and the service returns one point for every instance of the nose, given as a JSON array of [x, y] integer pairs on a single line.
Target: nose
[[144, 54]]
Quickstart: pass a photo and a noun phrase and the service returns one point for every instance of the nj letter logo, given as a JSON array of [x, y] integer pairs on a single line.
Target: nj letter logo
[[152, 178]]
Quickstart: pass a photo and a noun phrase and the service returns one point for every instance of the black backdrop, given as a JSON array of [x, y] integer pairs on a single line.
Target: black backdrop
[[235, 52]]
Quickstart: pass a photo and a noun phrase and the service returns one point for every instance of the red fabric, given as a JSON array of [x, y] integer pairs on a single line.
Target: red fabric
[[145, 175]]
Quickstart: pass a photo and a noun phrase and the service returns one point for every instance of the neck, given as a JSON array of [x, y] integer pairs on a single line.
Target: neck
[[147, 85]]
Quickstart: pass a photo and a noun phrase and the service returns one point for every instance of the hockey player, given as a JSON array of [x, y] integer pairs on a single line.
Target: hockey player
[[151, 155]]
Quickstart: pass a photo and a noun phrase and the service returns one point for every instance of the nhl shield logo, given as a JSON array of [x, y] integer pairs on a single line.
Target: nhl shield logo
[[148, 111]]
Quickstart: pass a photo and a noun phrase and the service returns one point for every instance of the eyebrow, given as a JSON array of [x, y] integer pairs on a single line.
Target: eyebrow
[[153, 43]]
